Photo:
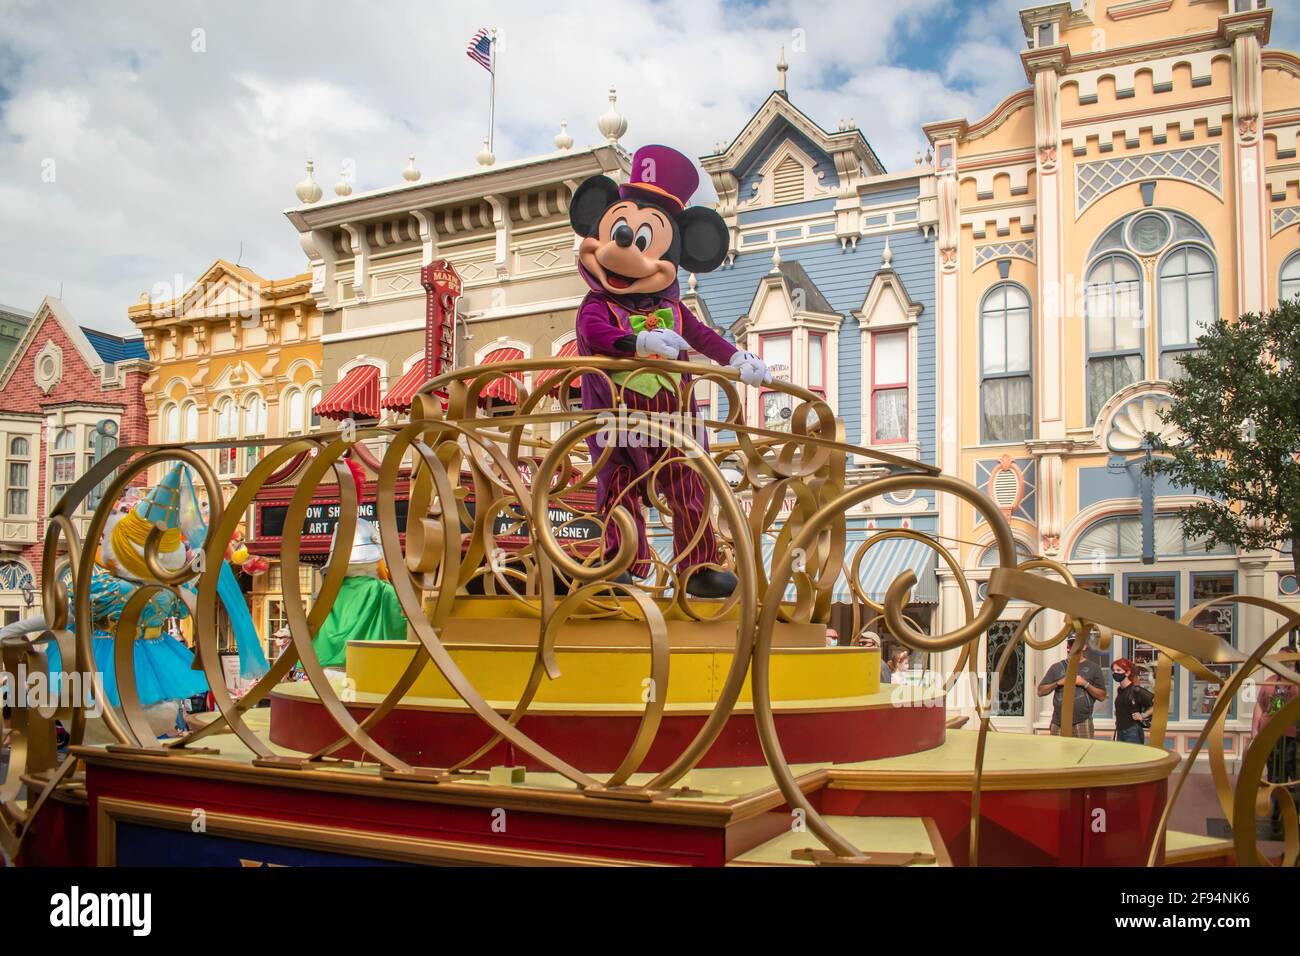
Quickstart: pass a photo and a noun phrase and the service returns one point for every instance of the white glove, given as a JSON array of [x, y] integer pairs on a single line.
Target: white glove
[[753, 370], [662, 342]]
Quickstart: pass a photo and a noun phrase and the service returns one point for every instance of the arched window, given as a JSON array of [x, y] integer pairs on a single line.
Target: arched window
[[189, 422], [171, 424], [226, 428], [1113, 308], [1119, 538], [254, 417], [1289, 287], [294, 412], [18, 448], [991, 556], [254, 427], [1006, 385], [226, 418], [313, 399], [1189, 302], [15, 575]]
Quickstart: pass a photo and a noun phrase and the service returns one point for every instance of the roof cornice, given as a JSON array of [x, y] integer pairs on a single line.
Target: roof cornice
[[534, 173], [779, 105]]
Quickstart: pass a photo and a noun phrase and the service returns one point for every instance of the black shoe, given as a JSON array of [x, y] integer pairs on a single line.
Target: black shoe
[[708, 583]]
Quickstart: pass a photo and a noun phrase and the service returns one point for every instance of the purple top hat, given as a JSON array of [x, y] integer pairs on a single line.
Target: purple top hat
[[661, 173]]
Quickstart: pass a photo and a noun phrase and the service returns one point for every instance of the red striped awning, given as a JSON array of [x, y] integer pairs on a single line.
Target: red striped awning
[[355, 396], [503, 388], [399, 397], [567, 350]]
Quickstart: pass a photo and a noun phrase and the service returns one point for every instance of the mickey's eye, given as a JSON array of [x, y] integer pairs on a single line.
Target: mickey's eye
[[619, 223], [643, 237]]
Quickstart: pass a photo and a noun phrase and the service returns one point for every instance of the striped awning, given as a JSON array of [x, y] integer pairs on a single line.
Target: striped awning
[[355, 396], [567, 350], [882, 564], [403, 391], [503, 388]]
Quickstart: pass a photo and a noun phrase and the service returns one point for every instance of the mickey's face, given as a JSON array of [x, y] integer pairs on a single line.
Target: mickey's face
[[630, 252], [632, 246]]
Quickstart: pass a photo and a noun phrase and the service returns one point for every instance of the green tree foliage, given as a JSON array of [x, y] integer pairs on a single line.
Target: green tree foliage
[[1237, 407]]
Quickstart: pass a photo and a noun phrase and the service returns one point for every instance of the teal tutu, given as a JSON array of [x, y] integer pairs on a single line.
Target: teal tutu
[[162, 669]]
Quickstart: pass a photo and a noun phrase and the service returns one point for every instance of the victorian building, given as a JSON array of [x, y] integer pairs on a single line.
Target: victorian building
[[236, 357], [1143, 183], [830, 278], [68, 396], [504, 227]]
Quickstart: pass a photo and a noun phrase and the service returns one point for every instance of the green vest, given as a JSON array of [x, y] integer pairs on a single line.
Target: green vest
[[648, 384]]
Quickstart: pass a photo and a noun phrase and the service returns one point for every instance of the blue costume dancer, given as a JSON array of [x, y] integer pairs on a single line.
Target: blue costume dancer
[[164, 666]]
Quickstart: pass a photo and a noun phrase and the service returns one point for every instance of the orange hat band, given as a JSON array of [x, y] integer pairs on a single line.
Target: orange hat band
[[658, 190]]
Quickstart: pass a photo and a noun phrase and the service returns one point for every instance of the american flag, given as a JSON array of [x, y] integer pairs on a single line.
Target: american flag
[[480, 49]]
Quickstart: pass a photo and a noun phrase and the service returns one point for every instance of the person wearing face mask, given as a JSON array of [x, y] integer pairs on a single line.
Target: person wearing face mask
[[1133, 703]]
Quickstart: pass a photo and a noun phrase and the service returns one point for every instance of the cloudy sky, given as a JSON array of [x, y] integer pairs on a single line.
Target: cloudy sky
[[141, 140]]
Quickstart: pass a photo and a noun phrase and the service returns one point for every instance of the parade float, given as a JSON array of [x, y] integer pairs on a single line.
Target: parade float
[[545, 708]]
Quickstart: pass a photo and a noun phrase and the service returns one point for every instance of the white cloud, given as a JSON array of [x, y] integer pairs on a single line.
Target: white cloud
[[167, 158]]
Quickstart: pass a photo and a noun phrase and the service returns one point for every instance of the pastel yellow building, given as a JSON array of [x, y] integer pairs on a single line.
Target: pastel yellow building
[[1143, 183], [235, 357]]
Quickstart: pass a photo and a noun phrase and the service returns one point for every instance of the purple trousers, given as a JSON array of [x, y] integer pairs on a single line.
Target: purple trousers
[[627, 472]]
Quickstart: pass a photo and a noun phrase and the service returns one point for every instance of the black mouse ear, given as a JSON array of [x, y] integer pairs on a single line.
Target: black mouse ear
[[589, 203], [704, 239]]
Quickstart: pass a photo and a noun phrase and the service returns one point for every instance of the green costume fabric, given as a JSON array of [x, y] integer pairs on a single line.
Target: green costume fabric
[[649, 384], [367, 609]]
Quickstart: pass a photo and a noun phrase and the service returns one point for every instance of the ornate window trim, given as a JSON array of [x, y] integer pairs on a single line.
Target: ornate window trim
[[1199, 165]]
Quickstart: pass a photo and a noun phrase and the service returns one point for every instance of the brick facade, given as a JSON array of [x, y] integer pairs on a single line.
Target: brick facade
[[56, 378]]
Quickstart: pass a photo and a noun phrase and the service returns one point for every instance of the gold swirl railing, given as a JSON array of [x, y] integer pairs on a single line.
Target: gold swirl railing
[[449, 453]]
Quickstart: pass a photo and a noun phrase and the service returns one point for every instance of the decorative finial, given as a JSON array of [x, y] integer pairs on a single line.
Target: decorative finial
[[342, 187], [781, 69], [562, 139], [307, 190], [692, 283], [613, 124], [776, 258], [919, 157], [887, 257], [410, 173], [485, 156]]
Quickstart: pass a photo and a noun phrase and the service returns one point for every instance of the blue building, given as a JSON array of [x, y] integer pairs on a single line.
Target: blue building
[[831, 278]]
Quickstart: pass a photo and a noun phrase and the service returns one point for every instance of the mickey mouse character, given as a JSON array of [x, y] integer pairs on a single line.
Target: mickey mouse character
[[635, 237]]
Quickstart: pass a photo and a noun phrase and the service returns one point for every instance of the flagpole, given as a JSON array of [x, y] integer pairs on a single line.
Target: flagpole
[[492, 90]]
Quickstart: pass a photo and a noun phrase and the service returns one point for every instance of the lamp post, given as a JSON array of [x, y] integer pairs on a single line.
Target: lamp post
[[1121, 464]]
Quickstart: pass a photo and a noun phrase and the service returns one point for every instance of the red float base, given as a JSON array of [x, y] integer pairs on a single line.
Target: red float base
[[597, 741]]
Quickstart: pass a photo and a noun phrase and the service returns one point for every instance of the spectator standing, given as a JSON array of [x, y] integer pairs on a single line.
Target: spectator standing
[[1090, 687]]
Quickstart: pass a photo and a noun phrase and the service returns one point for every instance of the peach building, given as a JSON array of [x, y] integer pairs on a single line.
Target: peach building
[[1141, 184], [235, 357]]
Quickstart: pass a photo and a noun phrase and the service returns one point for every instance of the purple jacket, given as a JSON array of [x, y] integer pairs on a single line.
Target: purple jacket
[[600, 327]]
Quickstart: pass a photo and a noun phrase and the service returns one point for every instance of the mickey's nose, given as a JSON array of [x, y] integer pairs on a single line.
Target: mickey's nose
[[623, 235]]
